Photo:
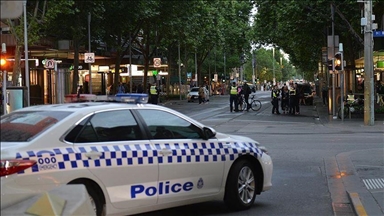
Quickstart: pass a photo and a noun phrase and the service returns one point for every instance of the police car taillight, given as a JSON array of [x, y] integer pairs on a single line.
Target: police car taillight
[[9, 167]]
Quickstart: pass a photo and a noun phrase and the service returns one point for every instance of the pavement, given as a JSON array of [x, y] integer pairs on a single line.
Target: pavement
[[356, 174], [352, 176]]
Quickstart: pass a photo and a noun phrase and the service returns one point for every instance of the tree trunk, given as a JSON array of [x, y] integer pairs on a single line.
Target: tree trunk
[[117, 72], [17, 67]]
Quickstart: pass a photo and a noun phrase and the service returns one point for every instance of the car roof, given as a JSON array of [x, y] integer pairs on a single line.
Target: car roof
[[85, 107]]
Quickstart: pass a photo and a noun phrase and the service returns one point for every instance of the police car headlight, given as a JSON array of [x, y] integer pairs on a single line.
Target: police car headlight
[[262, 148]]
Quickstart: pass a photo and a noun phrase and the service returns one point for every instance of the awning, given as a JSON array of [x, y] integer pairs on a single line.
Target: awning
[[377, 56]]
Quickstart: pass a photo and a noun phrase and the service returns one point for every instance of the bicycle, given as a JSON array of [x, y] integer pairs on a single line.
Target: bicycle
[[355, 107], [255, 104]]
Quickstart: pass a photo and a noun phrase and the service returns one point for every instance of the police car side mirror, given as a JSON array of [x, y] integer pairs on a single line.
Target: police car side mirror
[[209, 133]]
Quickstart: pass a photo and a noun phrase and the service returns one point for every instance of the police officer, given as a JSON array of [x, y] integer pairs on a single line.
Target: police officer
[[233, 99], [275, 100], [154, 93], [294, 107]]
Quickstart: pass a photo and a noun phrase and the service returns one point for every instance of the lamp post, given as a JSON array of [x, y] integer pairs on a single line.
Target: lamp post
[[26, 51], [368, 66], [89, 49]]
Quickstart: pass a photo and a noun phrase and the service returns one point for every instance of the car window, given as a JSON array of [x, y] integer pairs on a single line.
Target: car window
[[194, 90], [165, 125], [24, 126], [108, 126]]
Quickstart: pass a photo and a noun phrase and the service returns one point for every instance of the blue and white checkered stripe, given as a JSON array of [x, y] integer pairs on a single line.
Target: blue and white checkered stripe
[[139, 154], [205, 152]]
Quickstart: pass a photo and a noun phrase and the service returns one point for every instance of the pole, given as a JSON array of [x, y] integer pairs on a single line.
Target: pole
[[26, 52], [89, 50], [273, 65], [253, 69], [225, 73], [196, 66], [333, 72], [130, 64], [368, 67], [179, 63], [342, 81], [4, 90]]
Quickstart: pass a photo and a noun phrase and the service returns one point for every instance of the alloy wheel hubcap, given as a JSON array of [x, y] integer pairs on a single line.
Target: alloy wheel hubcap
[[246, 185]]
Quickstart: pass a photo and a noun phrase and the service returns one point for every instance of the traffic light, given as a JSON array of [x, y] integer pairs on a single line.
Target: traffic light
[[339, 61], [3, 62]]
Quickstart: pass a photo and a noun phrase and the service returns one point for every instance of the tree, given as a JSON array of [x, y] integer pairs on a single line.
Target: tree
[[71, 23], [39, 13]]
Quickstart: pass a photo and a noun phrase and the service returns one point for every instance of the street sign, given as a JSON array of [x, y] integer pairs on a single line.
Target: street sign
[[11, 9], [156, 62], [49, 64], [89, 57], [378, 33]]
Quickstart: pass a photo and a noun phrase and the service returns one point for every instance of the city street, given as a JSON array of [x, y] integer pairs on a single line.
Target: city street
[[310, 158]]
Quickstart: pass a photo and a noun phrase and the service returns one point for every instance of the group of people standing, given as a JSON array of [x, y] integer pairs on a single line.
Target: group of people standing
[[239, 94], [289, 98]]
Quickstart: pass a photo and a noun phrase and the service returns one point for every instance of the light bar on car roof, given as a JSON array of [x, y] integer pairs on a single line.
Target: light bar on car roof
[[133, 98], [130, 98]]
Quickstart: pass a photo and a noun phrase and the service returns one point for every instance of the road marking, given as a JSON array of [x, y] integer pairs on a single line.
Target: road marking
[[358, 206], [374, 183]]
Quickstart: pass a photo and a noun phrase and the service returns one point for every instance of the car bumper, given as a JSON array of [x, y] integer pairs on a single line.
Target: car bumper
[[267, 165]]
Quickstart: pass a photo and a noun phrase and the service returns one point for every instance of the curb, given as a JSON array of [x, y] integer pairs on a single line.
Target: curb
[[356, 204]]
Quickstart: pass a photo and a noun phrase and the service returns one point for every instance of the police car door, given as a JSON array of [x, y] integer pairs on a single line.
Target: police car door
[[114, 149], [189, 166]]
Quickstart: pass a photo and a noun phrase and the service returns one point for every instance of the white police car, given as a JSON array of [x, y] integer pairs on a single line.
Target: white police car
[[132, 158]]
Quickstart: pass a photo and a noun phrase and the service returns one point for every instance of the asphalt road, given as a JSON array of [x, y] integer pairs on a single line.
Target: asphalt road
[[301, 149]]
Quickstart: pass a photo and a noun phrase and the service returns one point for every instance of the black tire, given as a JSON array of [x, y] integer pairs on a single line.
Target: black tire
[[256, 105], [244, 105], [244, 199], [346, 112], [95, 197]]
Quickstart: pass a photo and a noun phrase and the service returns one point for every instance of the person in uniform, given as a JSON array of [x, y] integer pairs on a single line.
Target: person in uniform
[[154, 93], [275, 93], [233, 99], [292, 100]]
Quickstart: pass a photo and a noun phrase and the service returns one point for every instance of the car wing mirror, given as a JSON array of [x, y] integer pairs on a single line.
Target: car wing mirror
[[209, 133]]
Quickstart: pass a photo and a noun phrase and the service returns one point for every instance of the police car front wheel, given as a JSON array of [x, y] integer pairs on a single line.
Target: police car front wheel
[[240, 190]]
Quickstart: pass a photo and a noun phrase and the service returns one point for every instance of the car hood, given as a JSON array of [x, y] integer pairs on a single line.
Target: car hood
[[230, 137], [236, 138]]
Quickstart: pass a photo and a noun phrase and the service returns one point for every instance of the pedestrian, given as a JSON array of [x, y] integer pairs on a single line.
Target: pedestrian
[[247, 91], [233, 100], [201, 94], [154, 92], [285, 99], [296, 101], [120, 88], [140, 89], [275, 93], [324, 92]]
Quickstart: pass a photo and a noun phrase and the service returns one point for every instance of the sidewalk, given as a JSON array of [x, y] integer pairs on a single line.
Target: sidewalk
[[361, 173]]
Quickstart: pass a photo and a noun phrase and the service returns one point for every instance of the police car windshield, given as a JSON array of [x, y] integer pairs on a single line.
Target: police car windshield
[[194, 89], [24, 126]]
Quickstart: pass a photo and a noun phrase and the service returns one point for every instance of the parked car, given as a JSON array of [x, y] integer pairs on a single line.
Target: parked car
[[132, 158], [193, 94]]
